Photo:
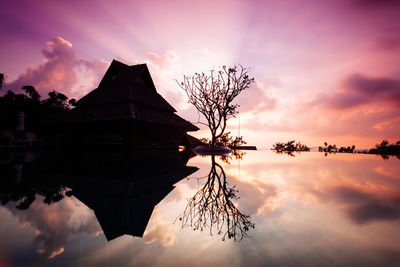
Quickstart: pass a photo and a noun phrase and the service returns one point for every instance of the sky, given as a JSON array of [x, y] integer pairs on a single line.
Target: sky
[[324, 70]]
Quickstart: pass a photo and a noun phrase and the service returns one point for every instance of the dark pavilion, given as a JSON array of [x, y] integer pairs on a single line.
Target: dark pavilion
[[125, 109]]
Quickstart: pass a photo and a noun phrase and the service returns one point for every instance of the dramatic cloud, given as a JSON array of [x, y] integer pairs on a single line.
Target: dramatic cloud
[[362, 107], [308, 53], [56, 224], [62, 70], [378, 3], [389, 43], [358, 90]]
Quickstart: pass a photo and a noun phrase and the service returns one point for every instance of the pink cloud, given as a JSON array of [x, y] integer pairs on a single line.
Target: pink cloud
[[359, 90], [257, 99], [363, 106], [126, 61], [56, 224], [62, 70], [165, 61]]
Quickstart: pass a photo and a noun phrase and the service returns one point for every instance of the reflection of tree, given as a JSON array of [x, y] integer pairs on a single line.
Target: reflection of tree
[[289, 153], [212, 207], [236, 154], [24, 194]]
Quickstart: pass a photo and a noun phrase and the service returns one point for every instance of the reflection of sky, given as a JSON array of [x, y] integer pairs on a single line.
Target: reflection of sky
[[310, 210]]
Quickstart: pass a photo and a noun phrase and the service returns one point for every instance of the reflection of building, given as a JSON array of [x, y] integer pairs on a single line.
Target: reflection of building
[[124, 206], [121, 188], [124, 109]]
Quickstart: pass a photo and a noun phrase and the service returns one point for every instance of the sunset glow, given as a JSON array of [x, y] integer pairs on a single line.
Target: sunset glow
[[324, 70]]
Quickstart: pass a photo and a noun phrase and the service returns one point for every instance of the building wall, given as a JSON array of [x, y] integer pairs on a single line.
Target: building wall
[[135, 133]]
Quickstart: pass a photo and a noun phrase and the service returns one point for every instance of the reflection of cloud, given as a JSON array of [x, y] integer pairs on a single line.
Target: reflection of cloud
[[362, 194], [363, 207], [349, 195], [389, 172], [375, 210], [160, 230], [55, 224], [363, 188], [256, 197], [62, 71]]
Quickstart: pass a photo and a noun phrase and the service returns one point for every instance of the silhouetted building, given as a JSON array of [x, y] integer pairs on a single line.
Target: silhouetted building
[[124, 109]]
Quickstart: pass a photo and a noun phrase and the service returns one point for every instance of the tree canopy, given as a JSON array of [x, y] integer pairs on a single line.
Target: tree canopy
[[30, 102], [2, 80]]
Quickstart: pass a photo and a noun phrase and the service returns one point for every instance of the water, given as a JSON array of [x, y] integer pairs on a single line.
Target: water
[[307, 210]]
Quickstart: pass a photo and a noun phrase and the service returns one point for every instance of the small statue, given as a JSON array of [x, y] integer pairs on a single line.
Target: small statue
[[21, 121]]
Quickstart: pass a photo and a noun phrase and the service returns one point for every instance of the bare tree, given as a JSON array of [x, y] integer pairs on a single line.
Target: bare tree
[[212, 207], [212, 94]]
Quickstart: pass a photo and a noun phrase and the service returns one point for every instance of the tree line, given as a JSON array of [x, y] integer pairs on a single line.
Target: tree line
[[383, 148], [30, 102]]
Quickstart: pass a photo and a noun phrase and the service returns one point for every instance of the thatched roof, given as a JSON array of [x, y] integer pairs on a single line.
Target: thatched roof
[[123, 83], [122, 111], [124, 93]]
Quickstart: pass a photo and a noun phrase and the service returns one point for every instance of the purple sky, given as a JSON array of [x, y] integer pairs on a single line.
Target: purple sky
[[324, 70]]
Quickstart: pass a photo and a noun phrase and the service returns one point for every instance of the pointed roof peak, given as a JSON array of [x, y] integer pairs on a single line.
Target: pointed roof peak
[[124, 83]]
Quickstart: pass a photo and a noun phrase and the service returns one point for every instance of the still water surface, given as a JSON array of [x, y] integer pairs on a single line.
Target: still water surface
[[307, 210]]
